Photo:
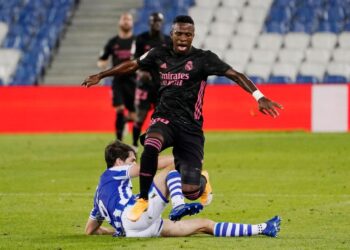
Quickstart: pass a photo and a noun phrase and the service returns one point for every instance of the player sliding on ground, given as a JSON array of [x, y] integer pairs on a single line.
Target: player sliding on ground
[[113, 199], [177, 120]]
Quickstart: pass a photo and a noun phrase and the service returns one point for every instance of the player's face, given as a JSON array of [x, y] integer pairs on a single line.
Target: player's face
[[156, 24], [126, 22], [131, 160], [182, 35]]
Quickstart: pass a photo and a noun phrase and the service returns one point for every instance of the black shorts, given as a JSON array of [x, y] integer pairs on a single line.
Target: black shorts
[[188, 148], [123, 90]]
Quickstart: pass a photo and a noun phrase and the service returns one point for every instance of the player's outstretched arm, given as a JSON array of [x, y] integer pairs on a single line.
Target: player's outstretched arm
[[121, 69], [266, 106], [93, 227], [163, 162]]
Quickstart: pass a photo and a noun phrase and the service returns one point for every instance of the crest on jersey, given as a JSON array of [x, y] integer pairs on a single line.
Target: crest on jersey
[[189, 66], [163, 66]]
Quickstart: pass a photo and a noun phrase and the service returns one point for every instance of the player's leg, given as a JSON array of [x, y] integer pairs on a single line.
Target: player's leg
[[142, 106], [168, 182], [129, 98], [189, 152], [158, 137], [119, 108], [220, 229]]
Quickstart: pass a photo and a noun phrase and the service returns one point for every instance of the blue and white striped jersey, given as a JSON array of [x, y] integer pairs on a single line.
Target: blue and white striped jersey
[[113, 195]]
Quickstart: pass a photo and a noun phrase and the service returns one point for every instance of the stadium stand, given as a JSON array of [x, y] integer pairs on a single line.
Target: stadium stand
[[34, 30], [270, 40]]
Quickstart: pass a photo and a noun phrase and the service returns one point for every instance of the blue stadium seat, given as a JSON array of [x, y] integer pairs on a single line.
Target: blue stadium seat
[[334, 13], [306, 27], [334, 79], [222, 80], [279, 79], [306, 79], [330, 26], [275, 27], [257, 79]]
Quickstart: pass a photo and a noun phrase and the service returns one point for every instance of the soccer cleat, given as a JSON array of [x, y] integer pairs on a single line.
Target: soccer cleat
[[207, 195], [185, 209], [136, 211], [272, 227]]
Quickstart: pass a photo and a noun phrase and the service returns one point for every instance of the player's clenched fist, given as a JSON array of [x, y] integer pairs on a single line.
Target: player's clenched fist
[[91, 80]]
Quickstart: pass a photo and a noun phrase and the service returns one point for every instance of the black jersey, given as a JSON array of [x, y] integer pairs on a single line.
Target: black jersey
[[119, 48], [182, 83], [145, 42]]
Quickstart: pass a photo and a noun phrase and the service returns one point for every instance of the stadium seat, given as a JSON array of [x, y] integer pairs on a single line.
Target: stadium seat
[[341, 69], [242, 42], [317, 55], [237, 56], [323, 40], [227, 15], [201, 15], [222, 80], [254, 14], [306, 79], [279, 79], [334, 13], [305, 27], [334, 79], [275, 27], [256, 79], [216, 43], [296, 41], [293, 56], [258, 69], [263, 56], [285, 69], [344, 40], [269, 41], [341, 55], [248, 29], [3, 31], [237, 4], [221, 29], [9, 59], [312, 69], [279, 14], [260, 4], [208, 3], [330, 26]]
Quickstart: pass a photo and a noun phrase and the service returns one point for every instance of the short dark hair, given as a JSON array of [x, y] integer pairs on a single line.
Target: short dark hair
[[183, 19], [156, 16], [115, 150]]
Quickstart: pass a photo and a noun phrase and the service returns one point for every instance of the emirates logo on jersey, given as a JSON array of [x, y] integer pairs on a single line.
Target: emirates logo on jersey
[[189, 66]]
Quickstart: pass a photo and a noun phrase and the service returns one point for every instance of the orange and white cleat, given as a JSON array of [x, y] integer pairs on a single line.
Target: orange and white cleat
[[137, 210], [207, 195]]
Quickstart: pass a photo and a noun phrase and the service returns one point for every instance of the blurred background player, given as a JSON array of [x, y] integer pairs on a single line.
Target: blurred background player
[[147, 88], [121, 48]]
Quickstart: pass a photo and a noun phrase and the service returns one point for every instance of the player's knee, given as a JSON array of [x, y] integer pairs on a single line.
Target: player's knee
[[152, 147], [191, 192]]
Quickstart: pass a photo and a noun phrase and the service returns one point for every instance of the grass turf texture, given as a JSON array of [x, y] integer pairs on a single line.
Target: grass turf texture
[[47, 184]]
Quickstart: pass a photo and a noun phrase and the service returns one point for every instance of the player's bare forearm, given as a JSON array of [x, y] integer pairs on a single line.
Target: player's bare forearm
[[93, 227], [127, 67], [242, 80], [266, 106]]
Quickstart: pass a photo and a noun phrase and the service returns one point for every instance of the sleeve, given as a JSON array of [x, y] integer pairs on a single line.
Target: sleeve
[[106, 52], [148, 60], [213, 65], [95, 212], [121, 172]]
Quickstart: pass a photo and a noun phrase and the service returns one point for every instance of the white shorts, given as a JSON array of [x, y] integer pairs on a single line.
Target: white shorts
[[150, 223]]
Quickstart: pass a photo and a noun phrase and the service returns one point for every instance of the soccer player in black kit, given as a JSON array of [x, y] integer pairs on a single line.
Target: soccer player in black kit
[[177, 119], [146, 87], [121, 49]]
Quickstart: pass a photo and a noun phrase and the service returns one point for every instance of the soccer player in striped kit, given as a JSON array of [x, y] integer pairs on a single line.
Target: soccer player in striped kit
[[114, 198]]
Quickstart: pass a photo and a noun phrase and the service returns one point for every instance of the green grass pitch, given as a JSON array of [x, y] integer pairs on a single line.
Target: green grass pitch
[[47, 184]]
